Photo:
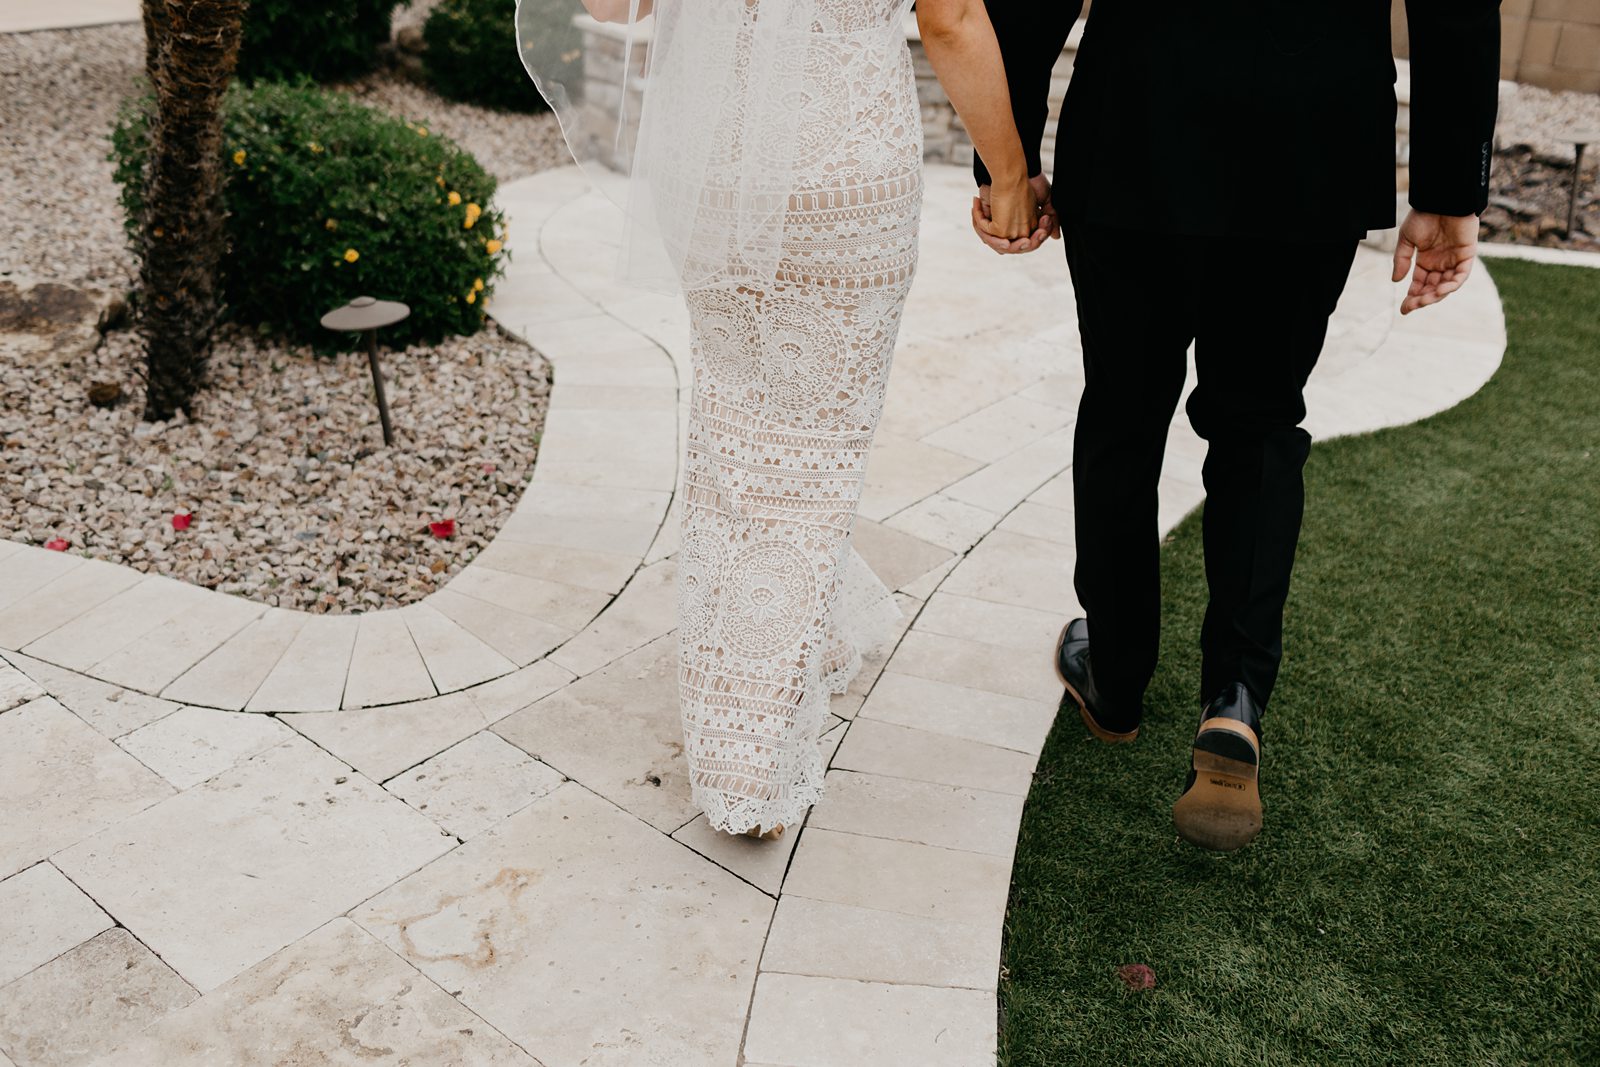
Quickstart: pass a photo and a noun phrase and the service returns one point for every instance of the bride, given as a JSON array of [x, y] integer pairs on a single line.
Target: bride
[[776, 184]]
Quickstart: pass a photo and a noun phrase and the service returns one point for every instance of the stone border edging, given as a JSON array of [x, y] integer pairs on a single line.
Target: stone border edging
[[29, 16], [1569, 257], [585, 525]]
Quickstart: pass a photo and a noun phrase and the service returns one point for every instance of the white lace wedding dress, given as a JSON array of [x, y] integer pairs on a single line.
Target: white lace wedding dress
[[790, 367]]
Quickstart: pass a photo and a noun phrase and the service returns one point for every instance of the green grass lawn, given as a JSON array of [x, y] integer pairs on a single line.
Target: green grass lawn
[[1427, 886]]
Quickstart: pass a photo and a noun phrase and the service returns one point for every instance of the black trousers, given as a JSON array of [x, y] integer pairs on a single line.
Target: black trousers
[[1257, 315]]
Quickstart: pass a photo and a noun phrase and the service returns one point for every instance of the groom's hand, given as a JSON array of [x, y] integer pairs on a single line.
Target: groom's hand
[[1049, 222], [1442, 248]]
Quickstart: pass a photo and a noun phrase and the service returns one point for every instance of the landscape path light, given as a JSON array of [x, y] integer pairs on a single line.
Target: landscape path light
[[367, 316], [1579, 140]]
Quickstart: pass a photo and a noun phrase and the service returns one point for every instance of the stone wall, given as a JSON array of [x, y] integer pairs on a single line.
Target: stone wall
[[1554, 44], [945, 139], [604, 54]]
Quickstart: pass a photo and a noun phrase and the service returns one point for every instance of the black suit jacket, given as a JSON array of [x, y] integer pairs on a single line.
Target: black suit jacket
[[1211, 118]]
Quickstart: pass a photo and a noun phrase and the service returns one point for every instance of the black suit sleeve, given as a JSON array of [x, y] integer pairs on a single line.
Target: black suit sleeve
[[1031, 37], [1455, 77]]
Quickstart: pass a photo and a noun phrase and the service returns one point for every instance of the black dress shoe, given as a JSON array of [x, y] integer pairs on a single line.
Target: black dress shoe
[[1105, 721], [1221, 805]]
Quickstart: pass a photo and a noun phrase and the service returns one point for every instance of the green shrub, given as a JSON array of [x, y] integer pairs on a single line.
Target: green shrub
[[472, 53], [330, 200], [334, 39]]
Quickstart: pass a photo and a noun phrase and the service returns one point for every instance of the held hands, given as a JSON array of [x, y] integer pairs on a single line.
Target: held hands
[[1443, 248], [1017, 220]]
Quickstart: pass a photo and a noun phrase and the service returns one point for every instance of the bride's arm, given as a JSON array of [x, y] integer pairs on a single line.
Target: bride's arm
[[615, 10], [960, 43]]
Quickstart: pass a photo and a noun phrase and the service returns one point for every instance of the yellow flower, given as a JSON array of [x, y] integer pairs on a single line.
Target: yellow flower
[[455, 198], [316, 149], [331, 224], [473, 211], [440, 180], [351, 255], [238, 158], [422, 131], [492, 247], [472, 298], [477, 285]]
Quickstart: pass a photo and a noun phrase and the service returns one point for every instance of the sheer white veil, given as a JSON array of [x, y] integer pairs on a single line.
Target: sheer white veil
[[688, 120]]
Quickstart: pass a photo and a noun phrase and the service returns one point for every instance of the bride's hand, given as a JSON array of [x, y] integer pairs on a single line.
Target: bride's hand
[[1013, 212]]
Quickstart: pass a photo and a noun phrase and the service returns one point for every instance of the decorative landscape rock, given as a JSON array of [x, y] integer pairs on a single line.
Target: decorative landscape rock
[[289, 507], [48, 317], [294, 501], [1529, 205]]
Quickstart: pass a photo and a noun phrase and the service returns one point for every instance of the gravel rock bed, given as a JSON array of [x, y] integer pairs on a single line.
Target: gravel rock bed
[[59, 94], [1528, 204], [1531, 183], [295, 501], [508, 144], [1539, 118], [413, 15]]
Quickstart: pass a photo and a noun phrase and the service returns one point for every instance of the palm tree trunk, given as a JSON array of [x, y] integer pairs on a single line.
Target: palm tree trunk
[[196, 47], [155, 35]]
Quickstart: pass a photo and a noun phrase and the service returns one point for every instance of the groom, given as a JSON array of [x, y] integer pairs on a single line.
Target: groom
[[1216, 165]]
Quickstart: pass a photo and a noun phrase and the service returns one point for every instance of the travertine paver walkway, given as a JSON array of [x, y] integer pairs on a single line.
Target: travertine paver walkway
[[20, 16], [459, 833]]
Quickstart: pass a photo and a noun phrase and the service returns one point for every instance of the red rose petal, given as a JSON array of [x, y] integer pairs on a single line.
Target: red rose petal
[[443, 529], [182, 520], [1137, 976], [58, 545]]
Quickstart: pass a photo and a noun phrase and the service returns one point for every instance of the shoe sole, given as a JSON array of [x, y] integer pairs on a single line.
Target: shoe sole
[[1100, 732], [1221, 811]]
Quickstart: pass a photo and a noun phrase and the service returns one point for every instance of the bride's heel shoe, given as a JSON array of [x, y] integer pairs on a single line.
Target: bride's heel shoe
[[770, 835]]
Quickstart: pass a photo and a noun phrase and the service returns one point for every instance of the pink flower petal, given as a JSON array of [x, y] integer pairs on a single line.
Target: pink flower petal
[[58, 545], [1137, 976], [443, 529], [181, 520]]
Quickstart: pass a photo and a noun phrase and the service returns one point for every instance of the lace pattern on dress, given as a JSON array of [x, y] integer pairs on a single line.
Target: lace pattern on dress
[[790, 368]]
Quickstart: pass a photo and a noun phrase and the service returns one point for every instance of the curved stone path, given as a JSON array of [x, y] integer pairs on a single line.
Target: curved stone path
[[460, 832], [23, 16]]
